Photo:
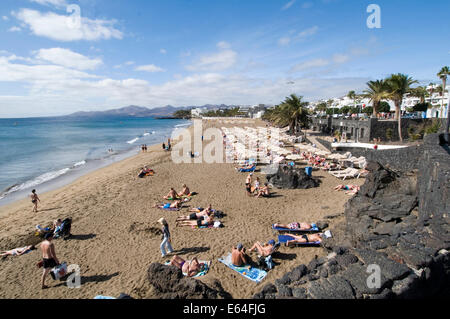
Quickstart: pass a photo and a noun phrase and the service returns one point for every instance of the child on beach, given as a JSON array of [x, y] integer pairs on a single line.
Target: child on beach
[[165, 238], [34, 200]]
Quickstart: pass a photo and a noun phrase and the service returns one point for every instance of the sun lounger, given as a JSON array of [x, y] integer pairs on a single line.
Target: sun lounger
[[206, 265], [350, 173], [246, 170], [254, 274], [285, 238], [288, 230]]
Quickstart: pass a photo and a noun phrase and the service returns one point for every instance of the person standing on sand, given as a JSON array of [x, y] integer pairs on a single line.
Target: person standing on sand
[[248, 184], [35, 199], [49, 259], [166, 238]]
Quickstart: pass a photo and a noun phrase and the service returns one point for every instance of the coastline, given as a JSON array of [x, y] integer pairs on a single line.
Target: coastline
[[65, 176], [115, 229]]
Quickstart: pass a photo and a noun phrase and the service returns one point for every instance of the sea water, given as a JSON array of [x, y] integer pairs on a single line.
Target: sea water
[[43, 153]]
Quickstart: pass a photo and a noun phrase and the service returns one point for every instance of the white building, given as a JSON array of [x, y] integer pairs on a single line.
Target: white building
[[198, 111]]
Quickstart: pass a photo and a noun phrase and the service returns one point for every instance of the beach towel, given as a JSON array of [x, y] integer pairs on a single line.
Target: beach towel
[[205, 264], [285, 238], [169, 208], [254, 274], [216, 224], [313, 229]]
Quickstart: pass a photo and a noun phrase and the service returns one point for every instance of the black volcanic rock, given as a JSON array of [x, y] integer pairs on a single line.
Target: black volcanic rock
[[170, 283], [289, 177]]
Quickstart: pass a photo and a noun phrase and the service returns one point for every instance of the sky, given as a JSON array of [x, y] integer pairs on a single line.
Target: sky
[[62, 56]]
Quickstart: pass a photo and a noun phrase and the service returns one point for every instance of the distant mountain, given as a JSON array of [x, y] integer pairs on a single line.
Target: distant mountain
[[139, 111]]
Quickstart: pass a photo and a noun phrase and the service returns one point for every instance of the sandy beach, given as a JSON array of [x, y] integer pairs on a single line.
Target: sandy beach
[[116, 234]]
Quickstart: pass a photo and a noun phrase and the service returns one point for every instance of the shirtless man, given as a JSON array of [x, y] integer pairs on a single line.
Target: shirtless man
[[172, 194], [197, 215], [34, 200], [248, 184], [238, 256], [304, 239], [190, 268], [199, 222], [264, 250], [185, 191], [175, 204], [49, 257]]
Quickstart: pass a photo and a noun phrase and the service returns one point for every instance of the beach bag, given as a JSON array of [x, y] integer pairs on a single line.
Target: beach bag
[[269, 262], [59, 271]]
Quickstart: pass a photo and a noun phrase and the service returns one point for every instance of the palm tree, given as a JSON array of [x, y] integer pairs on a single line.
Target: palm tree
[[420, 92], [445, 71], [398, 85], [293, 111], [377, 91]]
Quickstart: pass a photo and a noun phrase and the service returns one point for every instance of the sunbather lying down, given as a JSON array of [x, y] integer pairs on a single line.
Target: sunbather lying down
[[351, 189], [295, 226], [191, 268], [175, 204], [205, 221], [17, 251], [197, 214], [312, 238]]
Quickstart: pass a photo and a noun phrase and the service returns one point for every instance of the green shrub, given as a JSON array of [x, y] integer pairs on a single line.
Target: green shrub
[[389, 134]]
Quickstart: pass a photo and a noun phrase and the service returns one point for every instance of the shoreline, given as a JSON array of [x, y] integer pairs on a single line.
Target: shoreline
[[75, 172]]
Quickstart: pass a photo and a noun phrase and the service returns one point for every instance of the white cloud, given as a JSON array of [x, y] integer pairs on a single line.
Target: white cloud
[[288, 5], [163, 51], [129, 63], [220, 61], [307, 33], [149, 68], [284, 41], [223, 45], [310, 64], [57, 90], [340, 58], [5, 18], [68, 58], [14, 29], [62, 28], [56, 3]]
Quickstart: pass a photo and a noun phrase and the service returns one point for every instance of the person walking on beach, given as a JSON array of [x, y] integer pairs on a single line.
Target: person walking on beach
[[49, 259], [166, 238], [35, 199]]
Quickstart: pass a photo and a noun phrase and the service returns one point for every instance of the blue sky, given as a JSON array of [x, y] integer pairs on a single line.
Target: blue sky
[[193, 52]]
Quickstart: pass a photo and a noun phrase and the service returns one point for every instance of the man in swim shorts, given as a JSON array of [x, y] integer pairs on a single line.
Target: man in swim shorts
[[190, 268], [238, 256], [35, 199], [48, 257]]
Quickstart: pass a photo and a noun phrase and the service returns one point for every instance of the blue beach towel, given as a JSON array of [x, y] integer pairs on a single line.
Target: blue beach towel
[[285, 238], [313, 229], [254, 274], [247, 170]]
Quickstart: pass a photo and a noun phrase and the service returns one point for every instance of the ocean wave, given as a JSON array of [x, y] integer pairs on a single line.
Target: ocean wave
[[133, 141], [36, 181], [79, 164], [183, 125]]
